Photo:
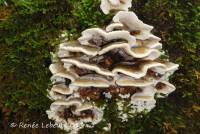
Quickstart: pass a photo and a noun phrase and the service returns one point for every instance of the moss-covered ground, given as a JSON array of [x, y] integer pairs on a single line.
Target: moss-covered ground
[[30, 29]]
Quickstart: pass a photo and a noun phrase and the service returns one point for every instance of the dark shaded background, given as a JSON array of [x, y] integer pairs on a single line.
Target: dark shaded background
[[29, 31]]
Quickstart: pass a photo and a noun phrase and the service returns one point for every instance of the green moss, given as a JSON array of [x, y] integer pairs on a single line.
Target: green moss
[[30, 33]]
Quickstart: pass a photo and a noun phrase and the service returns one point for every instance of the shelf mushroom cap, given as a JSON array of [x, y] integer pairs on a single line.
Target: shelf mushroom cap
[[133, 24], [131, 21], [60, 91], [56, 68], [165, 89], [136, 72], [57, 112], [129, 81], [76, 47], [100, 36], [108, 5], [136, 52], [114, 26], [91, 81], [88, 66]]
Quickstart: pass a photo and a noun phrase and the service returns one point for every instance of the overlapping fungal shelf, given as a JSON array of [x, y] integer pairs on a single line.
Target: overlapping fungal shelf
[[121, 59]]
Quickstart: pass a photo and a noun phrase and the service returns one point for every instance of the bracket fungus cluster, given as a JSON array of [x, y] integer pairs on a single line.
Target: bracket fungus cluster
[[122, 59]]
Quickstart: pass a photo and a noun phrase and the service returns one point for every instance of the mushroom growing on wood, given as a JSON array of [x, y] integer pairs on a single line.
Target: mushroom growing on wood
[[73, 114], [121, 61]]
